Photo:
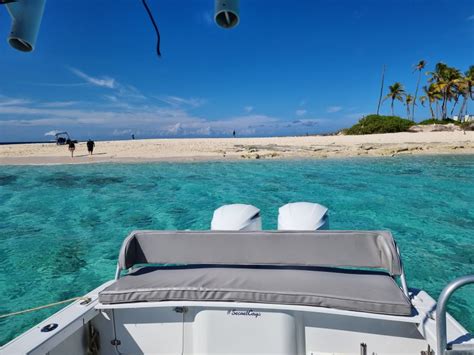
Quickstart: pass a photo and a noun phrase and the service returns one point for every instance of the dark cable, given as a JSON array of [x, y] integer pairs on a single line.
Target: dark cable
[[158, 39]]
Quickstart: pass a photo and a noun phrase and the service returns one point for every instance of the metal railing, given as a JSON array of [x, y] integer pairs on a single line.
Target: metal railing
[[402, 275], [441, 336]]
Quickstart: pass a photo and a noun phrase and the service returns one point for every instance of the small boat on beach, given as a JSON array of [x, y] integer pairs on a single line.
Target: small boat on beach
[[238, 289]]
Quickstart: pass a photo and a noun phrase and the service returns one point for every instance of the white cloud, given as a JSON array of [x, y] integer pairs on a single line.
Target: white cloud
[[129, 92], [180, 101], [126, 92], [123, 132], [301, 112], [470, 18], [104, 81], [333, 109], [59, 84], [248, 109], [205, 18], [356, 115], [306, 122], [151, 120], [6, 101], [59, 103], [175, 129], [111, 98]]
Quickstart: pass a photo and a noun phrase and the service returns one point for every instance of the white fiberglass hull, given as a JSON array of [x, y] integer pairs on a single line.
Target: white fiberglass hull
[[231, 328]]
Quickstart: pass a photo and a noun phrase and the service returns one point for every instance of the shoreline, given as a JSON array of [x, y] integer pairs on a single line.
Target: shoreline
[[203, 159], [235, 149]]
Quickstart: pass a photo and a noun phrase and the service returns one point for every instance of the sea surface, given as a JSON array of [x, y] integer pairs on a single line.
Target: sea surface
[[61, 226]]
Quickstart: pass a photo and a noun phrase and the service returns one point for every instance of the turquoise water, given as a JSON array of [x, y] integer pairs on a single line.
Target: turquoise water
[[61, 226]]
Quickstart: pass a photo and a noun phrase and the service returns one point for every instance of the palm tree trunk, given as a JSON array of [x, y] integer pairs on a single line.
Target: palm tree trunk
[[408, 111], [392, 106], [431, 109], [437, 109], [445, 103], [456, 99], [381, 90], [444, 107], [463, 106], [416, 94]]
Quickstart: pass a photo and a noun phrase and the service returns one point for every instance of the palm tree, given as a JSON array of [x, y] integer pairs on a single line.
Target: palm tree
[[470, 77], [381, 89], [396, 92], [457, 91], [432, 95], [462, 89], [454, 77], [420, 66], [422, 100], [409, 100], [466, 89], [437, 83], [445, 79]]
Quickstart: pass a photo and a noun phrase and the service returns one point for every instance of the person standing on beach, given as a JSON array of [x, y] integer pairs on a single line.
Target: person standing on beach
[[90, 146], [72, 148], [233, 133]]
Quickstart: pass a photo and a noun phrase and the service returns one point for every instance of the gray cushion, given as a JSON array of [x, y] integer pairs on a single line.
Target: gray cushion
[[344, 289]]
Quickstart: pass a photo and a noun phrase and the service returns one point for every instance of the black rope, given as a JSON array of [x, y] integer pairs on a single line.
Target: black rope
[[158, 39]]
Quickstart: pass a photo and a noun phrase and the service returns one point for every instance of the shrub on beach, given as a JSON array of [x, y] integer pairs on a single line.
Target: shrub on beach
[[435, 121], [380, 124], [467, 126]]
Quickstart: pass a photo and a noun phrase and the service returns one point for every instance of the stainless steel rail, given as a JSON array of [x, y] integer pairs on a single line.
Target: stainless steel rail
[[402, 276], [441, 337]]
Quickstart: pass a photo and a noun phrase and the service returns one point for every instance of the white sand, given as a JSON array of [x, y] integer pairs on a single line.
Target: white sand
[[244, 148]]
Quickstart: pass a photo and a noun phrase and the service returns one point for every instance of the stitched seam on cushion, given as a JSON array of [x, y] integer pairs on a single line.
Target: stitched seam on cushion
[[248, 291]]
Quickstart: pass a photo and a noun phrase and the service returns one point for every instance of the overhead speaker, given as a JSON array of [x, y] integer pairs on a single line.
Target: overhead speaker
[[226, 13], [26, 20]]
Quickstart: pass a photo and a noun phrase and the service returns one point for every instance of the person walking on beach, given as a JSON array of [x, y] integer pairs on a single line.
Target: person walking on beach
[[233, 133], [90, 146], [72, 148]]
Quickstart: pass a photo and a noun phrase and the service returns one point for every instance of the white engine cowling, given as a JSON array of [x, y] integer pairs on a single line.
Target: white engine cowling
[[237, 217], [303, 216]]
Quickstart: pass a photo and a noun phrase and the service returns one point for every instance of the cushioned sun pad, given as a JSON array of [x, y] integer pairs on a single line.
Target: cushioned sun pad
[[373, 292]]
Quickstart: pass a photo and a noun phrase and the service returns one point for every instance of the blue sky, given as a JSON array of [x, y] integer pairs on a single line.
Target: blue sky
[[290, 67]]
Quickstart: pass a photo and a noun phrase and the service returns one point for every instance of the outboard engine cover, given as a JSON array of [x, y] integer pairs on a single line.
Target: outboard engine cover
[[237, 217], [303, 216]]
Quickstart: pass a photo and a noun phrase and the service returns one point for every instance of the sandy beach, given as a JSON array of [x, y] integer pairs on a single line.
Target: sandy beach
[[243, 148]]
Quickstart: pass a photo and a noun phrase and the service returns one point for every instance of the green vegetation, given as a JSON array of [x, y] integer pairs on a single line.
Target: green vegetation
[[467, 126], [435, 121], [447, 92], [380, 124], [446, 89]]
